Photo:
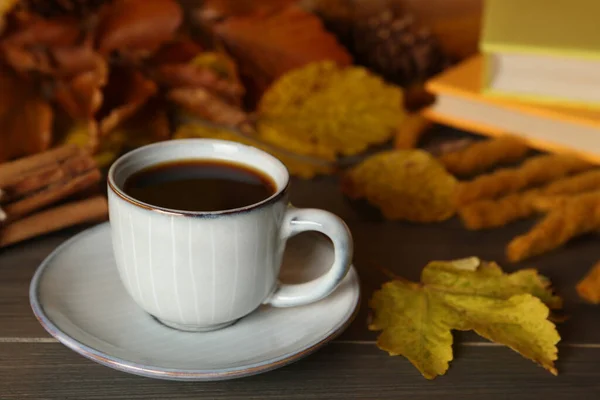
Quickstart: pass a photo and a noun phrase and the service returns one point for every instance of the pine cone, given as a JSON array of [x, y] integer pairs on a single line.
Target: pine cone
[[393, 46], [54, 8]]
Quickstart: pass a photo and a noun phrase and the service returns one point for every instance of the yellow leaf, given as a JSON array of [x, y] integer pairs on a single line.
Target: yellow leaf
[[218, 62], [405, 184], [331, 110], [295, 165], [416, 319], [81, 133]]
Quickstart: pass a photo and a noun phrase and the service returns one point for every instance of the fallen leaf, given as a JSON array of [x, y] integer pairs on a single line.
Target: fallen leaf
[[178, 51], [578, 215], [534, 171], [411, 130], [417, 319], [74, 60], [32, 30], [331, 110], [147, 125], [405, 184], [485, 154], [30, 44], [125, 93], [25, 118], [137, 28], [213, 71], [201, 102], [81, 95], [216, 10], [305, 168], [267, 45], [589, 287], [81, 133]]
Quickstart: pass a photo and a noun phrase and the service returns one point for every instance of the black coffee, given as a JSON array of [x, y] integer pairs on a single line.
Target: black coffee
[[199, 185]]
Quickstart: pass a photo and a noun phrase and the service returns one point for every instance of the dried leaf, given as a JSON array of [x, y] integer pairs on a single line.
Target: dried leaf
[[589, 287], [33, 30], [126, 92], [213, 71], [75, 60], [137, 28], [214, 10], [534, 171], [484, 155], [332, 110], [81, 95], [267, 45], [149, 124], [178, 51], [410, 130], [405, 184], [303, 168], [81, 133], [491, 213], [577, 216], [416, 319], [25, 118], [30, 44], [202, 103]]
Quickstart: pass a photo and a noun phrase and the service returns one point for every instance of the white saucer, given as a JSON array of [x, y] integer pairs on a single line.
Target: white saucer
[[78, 298]]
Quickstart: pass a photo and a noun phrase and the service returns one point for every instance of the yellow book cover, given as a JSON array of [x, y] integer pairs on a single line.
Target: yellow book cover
[[557, 27], [544, 51], [461, 103]]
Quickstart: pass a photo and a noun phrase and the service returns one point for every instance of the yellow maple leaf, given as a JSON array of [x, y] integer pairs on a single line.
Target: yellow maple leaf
[[417, 319], [296, 166], [405, 184], [330, 110]]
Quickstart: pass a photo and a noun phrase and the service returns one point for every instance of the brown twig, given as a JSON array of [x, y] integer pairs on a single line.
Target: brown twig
[[66, 215], [51, 194], [12, 172]]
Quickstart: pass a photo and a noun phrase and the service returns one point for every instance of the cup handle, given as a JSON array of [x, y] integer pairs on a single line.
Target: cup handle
[[298, 220]]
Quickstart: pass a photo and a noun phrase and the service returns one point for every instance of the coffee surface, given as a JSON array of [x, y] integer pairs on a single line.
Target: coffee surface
[[199, 185]]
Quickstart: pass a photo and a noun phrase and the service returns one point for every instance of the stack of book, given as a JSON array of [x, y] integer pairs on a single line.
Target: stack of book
[[537, 76]]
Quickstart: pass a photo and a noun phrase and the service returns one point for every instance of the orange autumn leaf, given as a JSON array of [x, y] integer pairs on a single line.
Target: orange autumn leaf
[[213, 71], [81, 95], [588, 288], [202, 103], [179, 50], [219, 9], [138, 27], [30, 43], [25, 118], [269, 45], [126, 92]]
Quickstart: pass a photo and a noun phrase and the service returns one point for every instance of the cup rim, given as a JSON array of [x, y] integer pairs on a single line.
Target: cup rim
[[112, 186]]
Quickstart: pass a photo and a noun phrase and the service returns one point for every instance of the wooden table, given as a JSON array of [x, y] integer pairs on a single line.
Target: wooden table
[[33, 365]]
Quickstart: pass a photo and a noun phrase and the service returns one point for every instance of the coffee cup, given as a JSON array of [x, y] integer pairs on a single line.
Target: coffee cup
[[204, 270]]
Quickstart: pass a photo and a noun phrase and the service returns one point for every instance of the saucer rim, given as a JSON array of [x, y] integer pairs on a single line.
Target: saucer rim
[[175, 374]]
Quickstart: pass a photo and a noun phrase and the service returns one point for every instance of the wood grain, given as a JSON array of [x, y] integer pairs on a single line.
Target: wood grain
[[338, 371]]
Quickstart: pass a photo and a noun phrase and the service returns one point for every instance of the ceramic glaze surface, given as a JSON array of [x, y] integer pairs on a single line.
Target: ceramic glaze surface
[[79, 298], [204, 271], [200, 271]]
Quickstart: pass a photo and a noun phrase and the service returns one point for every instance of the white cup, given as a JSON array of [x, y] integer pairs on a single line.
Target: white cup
[[200, 271]]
